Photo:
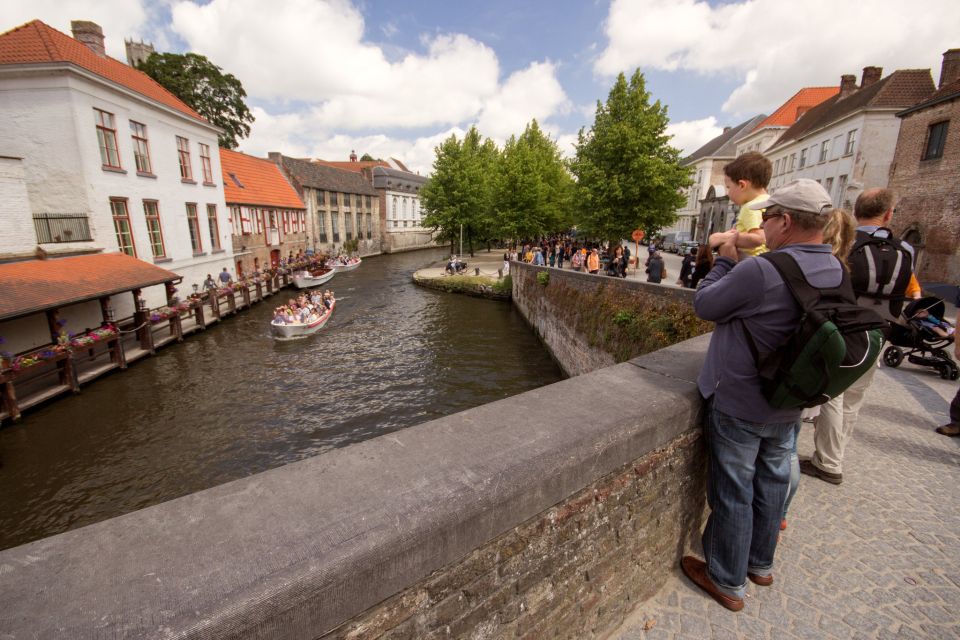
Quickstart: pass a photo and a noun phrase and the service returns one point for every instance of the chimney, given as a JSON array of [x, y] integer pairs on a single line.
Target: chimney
[[353, 156], [950, 70], [274, 156], [870, 75], [725, 129], [90, 34], [138, 52], [848, 84]]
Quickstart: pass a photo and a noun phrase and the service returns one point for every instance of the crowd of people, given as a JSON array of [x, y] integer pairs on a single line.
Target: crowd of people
[[754, 468], [304, 309], [558, 251]]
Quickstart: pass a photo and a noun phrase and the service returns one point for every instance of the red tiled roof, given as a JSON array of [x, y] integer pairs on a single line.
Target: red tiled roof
[[950, 91], [36, 42], [901, 89], [356, 166], [32, 286], [801, 102], [260, 182]]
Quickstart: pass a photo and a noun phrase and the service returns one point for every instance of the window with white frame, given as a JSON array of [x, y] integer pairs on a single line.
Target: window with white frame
[[803, 158], [183, 153], [121, 225], [851, 142], [824, 150], [214, 226], [193, 224], [322, 225], [107, 138], [141, 149], [151, 212], [841, 190], [235, 220], [205, 163], [793, 161]]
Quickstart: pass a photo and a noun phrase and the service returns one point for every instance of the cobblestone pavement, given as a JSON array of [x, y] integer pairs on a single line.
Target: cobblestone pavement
[[875, 557]]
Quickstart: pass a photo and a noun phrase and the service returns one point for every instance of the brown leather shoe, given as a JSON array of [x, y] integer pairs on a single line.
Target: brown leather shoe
[[951, 429], [696, 570], [807, 467], [761, 581]]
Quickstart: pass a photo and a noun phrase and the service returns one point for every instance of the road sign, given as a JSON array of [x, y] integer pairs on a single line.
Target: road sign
[[637, 235]]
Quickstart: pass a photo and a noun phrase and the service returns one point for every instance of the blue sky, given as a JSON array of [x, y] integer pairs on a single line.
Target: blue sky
[[395, 78]]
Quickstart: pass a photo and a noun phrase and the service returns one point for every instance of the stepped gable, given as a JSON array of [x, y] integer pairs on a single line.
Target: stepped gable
[[725, 145], [901, 89], [39, 43], [321, 175], [255, 181]]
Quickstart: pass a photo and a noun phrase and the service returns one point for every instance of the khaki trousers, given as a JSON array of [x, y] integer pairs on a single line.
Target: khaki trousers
[[834, 426]]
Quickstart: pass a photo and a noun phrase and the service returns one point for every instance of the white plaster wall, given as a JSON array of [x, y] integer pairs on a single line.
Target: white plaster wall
[[24, 334], [53, 130], [14, 207]]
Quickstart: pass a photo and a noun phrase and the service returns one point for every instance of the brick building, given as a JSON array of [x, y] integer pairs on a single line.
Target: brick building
[[341, 205], [268, 218], [925, 173]]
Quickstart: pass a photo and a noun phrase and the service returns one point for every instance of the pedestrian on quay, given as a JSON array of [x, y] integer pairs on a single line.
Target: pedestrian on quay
[[225, 277], [686, 268], [656, 269], [593, 262], [702, 266], [749, 441]]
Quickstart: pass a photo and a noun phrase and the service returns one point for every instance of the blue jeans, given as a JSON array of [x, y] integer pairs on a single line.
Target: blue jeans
[[749, 476], [794, 472]]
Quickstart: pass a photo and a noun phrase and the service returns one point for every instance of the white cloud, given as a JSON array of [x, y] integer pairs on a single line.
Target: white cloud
[[119, 18], [301, 136], [774, 48], [690, 135], [531, 93]]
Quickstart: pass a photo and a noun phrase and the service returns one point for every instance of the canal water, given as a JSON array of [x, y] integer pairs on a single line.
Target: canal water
[[231, 401]]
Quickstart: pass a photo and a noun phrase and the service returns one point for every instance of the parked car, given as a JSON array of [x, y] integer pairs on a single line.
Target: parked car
[[686, 246]]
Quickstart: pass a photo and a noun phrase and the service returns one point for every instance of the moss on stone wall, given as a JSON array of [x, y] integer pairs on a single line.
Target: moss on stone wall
[[479, 286], [625, 324]]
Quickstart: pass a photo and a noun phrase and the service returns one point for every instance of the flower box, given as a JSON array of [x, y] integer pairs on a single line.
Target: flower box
[[87, 340]]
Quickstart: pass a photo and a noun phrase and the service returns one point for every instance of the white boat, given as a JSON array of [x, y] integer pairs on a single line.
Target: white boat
[[347, 267], [306, 279], [280, 329]]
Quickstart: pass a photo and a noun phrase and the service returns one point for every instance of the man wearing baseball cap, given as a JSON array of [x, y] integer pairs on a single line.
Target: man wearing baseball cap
[[749, 442]]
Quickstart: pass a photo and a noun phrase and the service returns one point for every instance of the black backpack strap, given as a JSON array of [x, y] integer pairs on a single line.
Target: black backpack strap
[[786, 265]]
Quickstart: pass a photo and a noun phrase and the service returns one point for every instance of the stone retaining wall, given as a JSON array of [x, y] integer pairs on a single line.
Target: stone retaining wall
[[589, 322], [546, 514]]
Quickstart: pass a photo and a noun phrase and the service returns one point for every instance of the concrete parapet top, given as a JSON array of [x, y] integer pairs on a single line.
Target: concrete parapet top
[[296, 551]]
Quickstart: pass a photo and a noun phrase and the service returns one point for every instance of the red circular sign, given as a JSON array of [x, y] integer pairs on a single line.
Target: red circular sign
[[637, 235]]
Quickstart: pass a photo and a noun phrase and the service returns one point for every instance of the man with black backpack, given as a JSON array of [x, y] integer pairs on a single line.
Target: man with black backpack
[[787, 327], [880, 269]]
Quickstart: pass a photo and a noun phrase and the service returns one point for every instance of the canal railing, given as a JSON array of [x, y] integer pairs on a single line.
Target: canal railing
[[63, 367]]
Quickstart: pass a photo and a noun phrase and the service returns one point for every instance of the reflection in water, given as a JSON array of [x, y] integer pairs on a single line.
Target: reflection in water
[[231, 401]]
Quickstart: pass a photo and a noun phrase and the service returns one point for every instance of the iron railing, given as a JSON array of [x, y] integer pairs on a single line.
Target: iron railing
[[61, 227]]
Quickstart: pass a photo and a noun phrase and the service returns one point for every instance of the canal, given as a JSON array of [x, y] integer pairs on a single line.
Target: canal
[[231, 402]]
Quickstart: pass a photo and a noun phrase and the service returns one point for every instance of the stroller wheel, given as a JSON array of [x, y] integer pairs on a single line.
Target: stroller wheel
[[954, 372], [892, 357]]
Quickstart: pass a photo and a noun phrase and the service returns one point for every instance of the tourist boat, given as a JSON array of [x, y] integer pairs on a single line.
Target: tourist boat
[[347, 267], [300, 330], [306, 279]]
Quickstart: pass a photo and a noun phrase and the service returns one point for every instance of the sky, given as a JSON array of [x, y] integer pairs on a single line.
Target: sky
[[395, 78]]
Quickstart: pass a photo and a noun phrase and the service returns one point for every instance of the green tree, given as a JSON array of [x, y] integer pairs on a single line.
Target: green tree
[[366, 158], [460, 190], [215, 95], [628, 175], [533, 189]]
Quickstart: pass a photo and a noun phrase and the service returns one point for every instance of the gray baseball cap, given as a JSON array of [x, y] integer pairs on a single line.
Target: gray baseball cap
[[802, 194]]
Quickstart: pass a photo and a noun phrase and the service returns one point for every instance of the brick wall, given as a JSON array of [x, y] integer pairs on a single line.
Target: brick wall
[[574, 571], [588, 322], [929, 192]]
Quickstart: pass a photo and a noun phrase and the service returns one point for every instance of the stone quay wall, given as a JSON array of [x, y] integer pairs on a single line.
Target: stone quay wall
[[588, 322], [548, 514]]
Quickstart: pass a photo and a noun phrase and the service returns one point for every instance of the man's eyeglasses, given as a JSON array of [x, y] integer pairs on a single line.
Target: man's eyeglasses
[[771, 213]]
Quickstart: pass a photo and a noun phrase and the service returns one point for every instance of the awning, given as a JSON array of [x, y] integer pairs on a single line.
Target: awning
[[32, 286]]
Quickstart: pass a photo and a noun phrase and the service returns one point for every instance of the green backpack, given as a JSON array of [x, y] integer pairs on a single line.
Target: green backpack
[[836, 342]]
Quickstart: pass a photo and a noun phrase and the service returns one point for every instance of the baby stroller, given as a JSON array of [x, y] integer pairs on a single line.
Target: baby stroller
[[918, 342]]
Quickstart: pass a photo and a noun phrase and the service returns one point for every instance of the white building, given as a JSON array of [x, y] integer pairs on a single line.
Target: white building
[[111, 161], [706, 169], [772, 127], [401, 213], [847, 142]]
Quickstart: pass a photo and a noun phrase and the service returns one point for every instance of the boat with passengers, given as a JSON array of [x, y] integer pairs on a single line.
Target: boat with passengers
[[304, 316]]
